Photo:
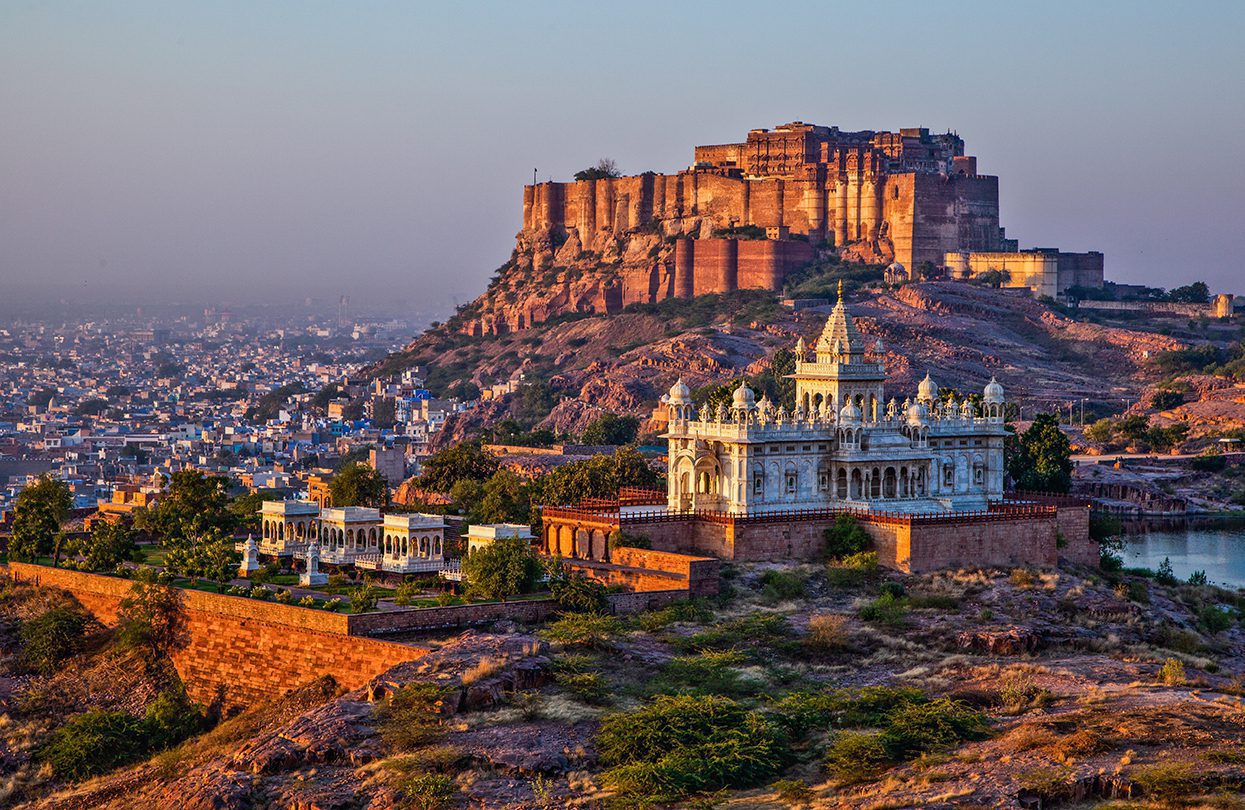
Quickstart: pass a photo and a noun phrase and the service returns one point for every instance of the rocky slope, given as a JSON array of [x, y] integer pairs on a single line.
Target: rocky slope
[[1089, 690], [963, 334]]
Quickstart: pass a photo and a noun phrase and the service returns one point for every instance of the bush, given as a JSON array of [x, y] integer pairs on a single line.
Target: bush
[[893, 589], [1164, 575], [852, 570], [1023, 578], [575, 592], [410, 717], [681, 745], [828, 631], [406, 593], [151, 617], [779, 586], [171, 718], [1209, 462], [886, 609], [1214, 619], [793, 791], [428, 791], [363, 599], [587, 687], [51, 638], [709, 673], [921, 728], [856, 756], [94, 743], [846, 537], [583, 630], [1172, 672], [1197, 578]]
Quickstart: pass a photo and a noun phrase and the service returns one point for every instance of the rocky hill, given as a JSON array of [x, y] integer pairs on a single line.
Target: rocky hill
[[963, 334]]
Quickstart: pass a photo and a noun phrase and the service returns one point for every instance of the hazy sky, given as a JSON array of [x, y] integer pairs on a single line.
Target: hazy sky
[[378, 149]]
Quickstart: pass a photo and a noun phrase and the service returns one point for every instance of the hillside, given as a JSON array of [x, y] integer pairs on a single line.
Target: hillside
[[962, 333]]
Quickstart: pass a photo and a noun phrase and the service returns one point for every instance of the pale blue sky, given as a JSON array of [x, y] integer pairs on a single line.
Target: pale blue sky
[[379, 149]]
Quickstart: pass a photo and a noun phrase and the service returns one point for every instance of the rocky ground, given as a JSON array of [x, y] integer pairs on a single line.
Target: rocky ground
[[1095, 690], [962, 333]]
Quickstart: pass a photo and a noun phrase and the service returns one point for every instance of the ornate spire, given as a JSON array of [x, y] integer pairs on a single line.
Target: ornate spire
[[840, 291]]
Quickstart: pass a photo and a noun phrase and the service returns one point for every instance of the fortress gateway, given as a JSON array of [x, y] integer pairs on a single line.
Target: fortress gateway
[[925, 477]]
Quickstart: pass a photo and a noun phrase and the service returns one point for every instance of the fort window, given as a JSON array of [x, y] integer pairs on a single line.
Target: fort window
[[791, 483], [758, 485]]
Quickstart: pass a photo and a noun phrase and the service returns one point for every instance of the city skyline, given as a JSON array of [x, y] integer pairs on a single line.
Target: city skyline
[[170, 153]]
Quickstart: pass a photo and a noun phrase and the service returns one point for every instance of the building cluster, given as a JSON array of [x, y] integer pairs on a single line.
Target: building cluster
[[363, 538], [113, 408]]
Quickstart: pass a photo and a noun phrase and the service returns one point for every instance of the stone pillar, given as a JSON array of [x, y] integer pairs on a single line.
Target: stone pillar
[[312, 576], [587, 221], [250, 558]]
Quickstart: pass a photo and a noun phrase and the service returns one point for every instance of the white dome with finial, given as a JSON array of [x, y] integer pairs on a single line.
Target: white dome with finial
[[850, 413], [928, 389], [993, 392], [679, 394], [743, 398]]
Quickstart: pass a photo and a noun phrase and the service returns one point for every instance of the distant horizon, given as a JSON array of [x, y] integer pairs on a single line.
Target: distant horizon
[[157, 154]]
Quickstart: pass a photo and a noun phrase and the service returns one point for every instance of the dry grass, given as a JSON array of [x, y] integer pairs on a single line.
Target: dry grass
[[828, 631], [485, 668]]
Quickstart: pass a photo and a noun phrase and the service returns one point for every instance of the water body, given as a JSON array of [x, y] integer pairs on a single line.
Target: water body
[[1214, 546]]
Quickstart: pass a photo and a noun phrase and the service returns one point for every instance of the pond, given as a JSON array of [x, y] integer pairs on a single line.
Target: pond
[[1214, 546]]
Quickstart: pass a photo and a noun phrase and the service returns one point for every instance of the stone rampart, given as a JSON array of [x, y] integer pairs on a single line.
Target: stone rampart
[[242, 650]]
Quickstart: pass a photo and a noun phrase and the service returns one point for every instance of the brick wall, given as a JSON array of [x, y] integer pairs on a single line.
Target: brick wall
[[242, 649]]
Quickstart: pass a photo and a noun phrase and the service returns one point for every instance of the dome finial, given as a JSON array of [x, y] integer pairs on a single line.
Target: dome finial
[[840, 291]]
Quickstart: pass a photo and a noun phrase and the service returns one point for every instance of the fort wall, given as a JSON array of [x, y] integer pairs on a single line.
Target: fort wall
[[242, 650]]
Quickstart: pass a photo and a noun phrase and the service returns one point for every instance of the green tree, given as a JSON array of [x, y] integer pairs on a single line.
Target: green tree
[[244, 509], [40, 510], [358, 484], [107, 546], [209, 556], [504, 498], [604, 168], [1101, 431], [575, 592], [774, 380], [1040, 459], [447, 467], [194, 503], [1195, 293], [846, 536], [151, 617], [505, 567], [709, 397], [597, 477], [93, 743], [610, 428]]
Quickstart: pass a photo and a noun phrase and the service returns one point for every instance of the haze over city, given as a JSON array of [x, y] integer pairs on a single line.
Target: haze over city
[[158, 152]]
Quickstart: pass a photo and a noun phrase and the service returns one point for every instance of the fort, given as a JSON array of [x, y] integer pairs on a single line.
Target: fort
[[746, 215]]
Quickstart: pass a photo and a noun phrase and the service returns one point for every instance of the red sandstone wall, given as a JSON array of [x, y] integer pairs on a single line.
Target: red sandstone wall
[[244, 649], [983, 545]]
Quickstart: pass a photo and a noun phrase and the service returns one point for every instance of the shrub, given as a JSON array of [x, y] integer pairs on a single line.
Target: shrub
[[363, 599], [51, 638], [260, 592], [1018, 692], [793, 791], [894, 590], [410, 717], [827, 631], [1023, 578], [428, 791], [1172, 672], [1197, 578], [846, 537], [151, 617], [709, 673], [886, 609], [779, 586], [307, 602], [683, 744], [852, 570], [583, 630], [171, 718], [1209, 462], [1214, 619], [1049, 784], [921, 728], [650, 621], [406, 593], [1166, 780], [587, 687], [93, 743], [576, 592], [285, 596], [1164, 575], [856, 756]]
